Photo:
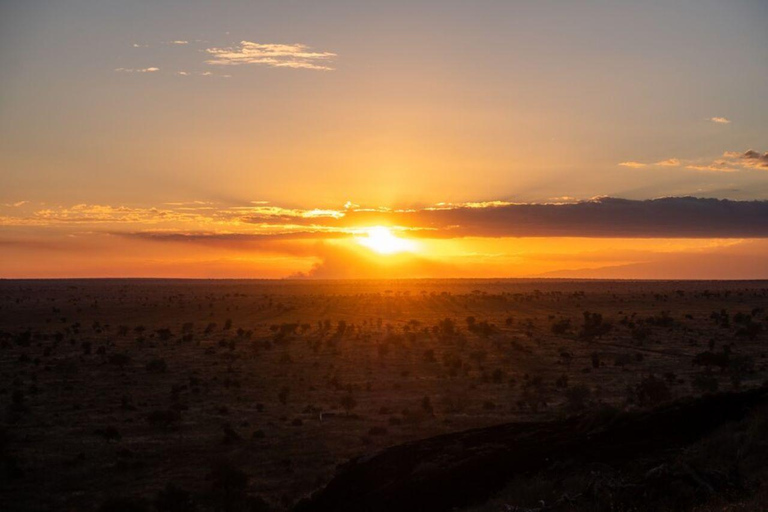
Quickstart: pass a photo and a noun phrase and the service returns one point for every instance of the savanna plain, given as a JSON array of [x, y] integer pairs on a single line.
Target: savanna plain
[[249, 395]]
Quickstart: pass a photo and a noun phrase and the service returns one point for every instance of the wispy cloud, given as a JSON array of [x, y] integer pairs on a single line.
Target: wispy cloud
[[137, 70], [716, 166], [720, 120], [296, 56], [730, 161], [178, 42]]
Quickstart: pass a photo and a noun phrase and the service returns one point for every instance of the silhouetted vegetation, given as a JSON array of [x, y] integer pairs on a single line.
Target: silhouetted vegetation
[[286, 380]]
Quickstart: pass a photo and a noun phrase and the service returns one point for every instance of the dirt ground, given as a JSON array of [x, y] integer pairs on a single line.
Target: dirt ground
[[120, 387]]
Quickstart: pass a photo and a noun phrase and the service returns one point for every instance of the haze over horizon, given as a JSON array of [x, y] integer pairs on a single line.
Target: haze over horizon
[[343, 139]]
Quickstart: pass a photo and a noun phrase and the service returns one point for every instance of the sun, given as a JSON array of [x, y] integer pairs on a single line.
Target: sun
[[381, 240]]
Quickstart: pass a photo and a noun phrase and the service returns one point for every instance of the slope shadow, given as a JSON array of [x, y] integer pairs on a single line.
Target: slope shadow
[[464, 468]]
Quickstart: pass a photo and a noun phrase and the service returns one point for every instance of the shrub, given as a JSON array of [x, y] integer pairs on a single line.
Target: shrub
[[228, 489], [348, 402], [577, 398], [174, 499], [17, 401], [651, 391], [230, 435], [426, 405], [750, 330], [561, 326], [594, 326], [164, 419], [377, 431], [705, 383], [164, 334], [157, 366], [123, 504], [120, 360], [109, 433]]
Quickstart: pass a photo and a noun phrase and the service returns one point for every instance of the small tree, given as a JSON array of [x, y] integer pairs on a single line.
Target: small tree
[[283, 395], [348, 402]]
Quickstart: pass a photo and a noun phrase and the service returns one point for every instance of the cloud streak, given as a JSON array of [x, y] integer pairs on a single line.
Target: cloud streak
[[295, 56], [731, 161], [675, 217], [137, 70]]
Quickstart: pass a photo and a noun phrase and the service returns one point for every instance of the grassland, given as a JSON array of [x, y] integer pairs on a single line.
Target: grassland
[[249, 393]]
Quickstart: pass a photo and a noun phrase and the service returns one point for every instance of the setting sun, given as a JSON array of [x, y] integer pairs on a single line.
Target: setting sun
[[383, 241]]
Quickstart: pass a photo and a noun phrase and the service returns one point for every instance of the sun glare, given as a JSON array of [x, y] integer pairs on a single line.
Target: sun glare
[[383, 241]]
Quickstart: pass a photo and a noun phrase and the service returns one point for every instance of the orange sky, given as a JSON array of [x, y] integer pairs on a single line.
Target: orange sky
[[267, 139], [601, 238]]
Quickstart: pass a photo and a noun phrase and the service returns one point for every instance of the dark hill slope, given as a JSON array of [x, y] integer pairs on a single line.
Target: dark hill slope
[[461, 469]]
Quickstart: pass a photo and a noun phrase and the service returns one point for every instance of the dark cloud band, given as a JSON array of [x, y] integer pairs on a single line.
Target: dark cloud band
[[679, 217]]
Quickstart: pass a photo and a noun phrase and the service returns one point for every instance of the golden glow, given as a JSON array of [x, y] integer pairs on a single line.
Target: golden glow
[[381, 240]]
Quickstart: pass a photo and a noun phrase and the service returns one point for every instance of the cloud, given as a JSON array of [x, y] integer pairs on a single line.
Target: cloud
[[732, 161], [720, 120], [137, 70], [674, 217], [750, 158], [716, 166], [178, 42], [300, 243], [137, 45], [296, 56]]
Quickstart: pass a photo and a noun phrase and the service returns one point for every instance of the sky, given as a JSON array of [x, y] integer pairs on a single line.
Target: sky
[[361, 139]]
